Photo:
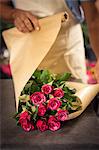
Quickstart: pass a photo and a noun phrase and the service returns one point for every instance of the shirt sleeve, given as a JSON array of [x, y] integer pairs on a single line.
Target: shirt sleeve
[[74, 6], [87, 0]]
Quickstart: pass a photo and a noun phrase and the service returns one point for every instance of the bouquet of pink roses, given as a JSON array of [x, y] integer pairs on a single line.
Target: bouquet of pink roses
[[46, 101]]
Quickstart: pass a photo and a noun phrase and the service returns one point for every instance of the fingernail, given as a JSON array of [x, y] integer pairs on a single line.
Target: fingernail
[[37, 28]]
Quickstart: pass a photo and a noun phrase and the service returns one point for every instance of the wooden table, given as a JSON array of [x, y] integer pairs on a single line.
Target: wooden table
[[81, 133]]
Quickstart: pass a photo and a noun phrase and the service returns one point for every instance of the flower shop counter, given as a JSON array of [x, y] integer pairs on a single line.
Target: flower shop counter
[[81, 133]]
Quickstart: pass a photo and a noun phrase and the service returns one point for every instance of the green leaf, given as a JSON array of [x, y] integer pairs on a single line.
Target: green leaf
[[50, 83], [33, 108], [29, 84], [69, 98], [69, 90], [63, 77], [63, 104], [24, 108], [27, 87], [16, 115], [46, 77], [34, 88], [17, 121], [37, 74], [24, 98], [35, 114], [53, 112], [64, 108], [51, 96], [28, 104]]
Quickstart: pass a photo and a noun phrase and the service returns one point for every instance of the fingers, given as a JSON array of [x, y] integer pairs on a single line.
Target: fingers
[[25, 21], [20, 25], [34, 21], [28, 24]]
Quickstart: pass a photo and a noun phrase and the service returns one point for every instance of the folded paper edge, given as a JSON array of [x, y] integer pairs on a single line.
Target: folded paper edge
[[90, 91]]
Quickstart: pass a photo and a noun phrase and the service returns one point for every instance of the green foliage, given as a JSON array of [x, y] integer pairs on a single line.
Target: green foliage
[[41, 77], [63, 77], [70, 102], [34, 116], [46, 77]]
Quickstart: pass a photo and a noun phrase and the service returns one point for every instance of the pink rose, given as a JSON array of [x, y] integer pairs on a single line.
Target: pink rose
[[41, 125], [38, 98], [54, 103], [27, 126], [53, 123], [62, 115], [58, 93], [24, 116], [41, 110], [24, 121], [46, 89]]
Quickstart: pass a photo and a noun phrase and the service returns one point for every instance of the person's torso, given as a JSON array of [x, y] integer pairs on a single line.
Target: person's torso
[[41, 8]]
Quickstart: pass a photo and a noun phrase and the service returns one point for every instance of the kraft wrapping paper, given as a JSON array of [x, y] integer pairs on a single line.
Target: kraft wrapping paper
[[86, 93], [28, 50]]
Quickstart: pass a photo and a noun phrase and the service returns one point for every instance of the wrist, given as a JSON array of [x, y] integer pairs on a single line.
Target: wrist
[[13, 14]]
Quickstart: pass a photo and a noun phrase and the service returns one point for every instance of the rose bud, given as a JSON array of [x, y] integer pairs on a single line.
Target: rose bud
[[46, 89], [41, 125], [59, 93], [54, 104], [41, 110], [62, 115], [53, 123]]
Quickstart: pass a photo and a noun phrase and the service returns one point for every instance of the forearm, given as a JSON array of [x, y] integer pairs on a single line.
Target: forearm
[[94, 38], [92, 19], [94, 35]]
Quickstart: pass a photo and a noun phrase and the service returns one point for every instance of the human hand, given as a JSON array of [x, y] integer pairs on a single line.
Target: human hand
[[97, 71], [25, 21]]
